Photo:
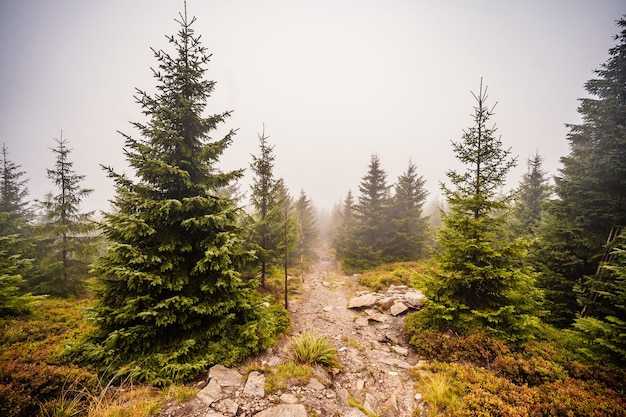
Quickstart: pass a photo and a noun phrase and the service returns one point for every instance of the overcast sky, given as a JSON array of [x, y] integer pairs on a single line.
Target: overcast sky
[[333, 81]]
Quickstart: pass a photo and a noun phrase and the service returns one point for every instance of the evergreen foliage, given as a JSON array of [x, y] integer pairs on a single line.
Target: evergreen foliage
[[14, 243], [65, 239], [408, 230], [307, 226], [590, 187], [171, 301], [364, 243], [267, 214], [533, 193], [481, 280], [605, 337], [344, 222]]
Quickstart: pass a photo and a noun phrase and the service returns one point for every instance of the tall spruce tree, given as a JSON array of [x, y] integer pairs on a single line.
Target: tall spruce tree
[[407, 239], [14, 242], [366, 240], [590, 188], [481, 280], [171, 301], [531, 197], [344, 221], [66, 242], [307, 226], [266, 203]]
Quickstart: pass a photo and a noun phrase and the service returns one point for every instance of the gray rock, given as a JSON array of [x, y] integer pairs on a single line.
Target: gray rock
[[211, 393], [227, 407], [364, 301], [415, 298], [378, 317], [386, 302], [225, 377], [322, 374], [284, 410], [255, 386], [360, 384], [289, 399], [370, 403], [398, 308], [315, 384], [396, 289], [342, 393]]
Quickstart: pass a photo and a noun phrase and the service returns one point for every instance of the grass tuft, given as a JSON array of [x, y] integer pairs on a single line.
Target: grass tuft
[[308, 349]]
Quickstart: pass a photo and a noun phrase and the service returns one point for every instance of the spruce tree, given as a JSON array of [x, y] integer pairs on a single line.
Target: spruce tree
[[590, 188], [14, 242], [266, 203], [171, 301], [366, 240], [531, 197], [307, 227], [66, 242], [480, 280], [407, 240], [604, 335], [344, 223]]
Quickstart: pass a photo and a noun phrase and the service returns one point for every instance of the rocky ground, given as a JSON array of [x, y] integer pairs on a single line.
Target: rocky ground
[[375, 356]]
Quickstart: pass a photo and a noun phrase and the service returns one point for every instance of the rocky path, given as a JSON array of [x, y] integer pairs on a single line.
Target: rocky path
[[375, 378]]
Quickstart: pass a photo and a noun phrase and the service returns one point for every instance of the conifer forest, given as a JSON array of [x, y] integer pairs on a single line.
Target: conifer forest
[[524, 284]]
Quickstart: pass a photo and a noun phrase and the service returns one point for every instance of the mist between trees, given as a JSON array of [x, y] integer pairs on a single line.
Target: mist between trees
[[178, 267]]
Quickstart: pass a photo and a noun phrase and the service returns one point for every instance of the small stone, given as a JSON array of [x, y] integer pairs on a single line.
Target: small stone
[[386, 302], [225, 377], [315, 385], [415, 298], [398, 308], [211, 393], [370, 403], [283, 410], [378, 317], [228, 407], [343, 396], [418, 396], [393, 373], [328, 308], [255, 386], [360, 384], [326, 283], [289, 398]]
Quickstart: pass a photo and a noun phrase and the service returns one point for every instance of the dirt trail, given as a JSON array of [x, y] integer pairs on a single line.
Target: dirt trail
[[375, 358], [375, 355]]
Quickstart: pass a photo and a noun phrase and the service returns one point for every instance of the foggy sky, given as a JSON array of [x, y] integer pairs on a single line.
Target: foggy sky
[[333, 81]]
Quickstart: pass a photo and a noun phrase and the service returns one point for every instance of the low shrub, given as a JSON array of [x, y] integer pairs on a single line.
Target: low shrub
[[399, 273], [33, 378], [475, 347]]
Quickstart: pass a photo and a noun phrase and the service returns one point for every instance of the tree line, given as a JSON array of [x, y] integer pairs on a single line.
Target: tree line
[[178, 262]]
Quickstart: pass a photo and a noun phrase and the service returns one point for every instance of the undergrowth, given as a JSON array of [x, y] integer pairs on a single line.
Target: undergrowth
[[476, 374], [397, 273]]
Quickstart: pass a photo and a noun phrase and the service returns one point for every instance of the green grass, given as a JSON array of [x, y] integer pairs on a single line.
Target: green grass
[[308, 349]]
